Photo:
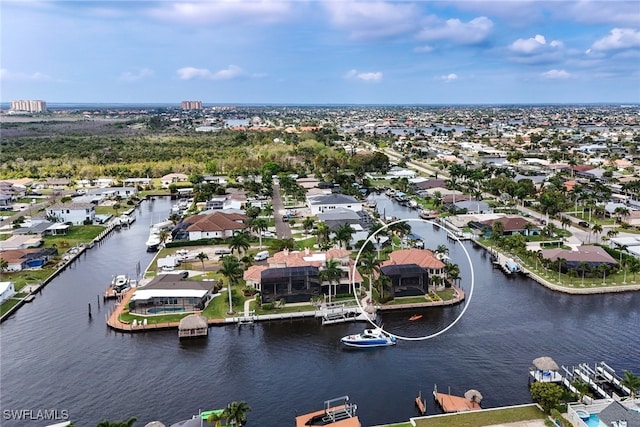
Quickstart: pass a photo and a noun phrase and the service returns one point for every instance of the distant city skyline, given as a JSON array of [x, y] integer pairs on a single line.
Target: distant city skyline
[[321, 52]]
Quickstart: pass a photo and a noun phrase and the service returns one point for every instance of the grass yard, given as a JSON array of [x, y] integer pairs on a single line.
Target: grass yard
[[484, 418], [75, 236]]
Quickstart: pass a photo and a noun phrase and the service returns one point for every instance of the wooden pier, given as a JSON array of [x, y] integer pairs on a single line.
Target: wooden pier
[[421, 404], [450, 403]]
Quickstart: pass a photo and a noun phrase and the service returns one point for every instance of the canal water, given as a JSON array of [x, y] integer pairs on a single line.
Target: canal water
[[54, 357]]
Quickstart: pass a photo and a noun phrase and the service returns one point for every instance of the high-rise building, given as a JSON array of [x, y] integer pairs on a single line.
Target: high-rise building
[[29, 106], [191, 105]]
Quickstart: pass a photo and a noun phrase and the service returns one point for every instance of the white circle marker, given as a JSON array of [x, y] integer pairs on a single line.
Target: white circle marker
[[468, 298]]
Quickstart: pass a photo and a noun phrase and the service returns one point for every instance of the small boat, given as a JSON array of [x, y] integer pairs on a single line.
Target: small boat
[[369, 338], [120, 284], [415, 317]]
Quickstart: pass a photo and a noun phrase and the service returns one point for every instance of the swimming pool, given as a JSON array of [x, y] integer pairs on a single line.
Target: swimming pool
[[159, 310], [593, 421]]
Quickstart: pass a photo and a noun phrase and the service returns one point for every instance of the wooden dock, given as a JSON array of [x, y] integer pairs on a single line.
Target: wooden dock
[[450, 403], [421, 404]]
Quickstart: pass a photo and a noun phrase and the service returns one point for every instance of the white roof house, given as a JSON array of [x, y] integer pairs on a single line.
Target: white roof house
[[323, 203]]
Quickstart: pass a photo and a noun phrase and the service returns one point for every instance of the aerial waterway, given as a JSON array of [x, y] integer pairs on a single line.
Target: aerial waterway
[[54, 357]]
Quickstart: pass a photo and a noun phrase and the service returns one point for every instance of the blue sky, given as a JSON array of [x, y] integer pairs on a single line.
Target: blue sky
[[320, 52]]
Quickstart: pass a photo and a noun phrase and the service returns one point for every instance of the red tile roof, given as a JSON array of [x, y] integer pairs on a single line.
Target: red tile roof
[[422, 257]]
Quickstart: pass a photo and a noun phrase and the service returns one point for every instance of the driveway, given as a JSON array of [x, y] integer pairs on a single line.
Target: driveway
[[283, 231]]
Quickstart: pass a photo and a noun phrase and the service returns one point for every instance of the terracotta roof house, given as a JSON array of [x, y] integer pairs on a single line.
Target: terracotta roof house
[[295, 275], [22, 259], [592, 256], [216, 225], [410, 271]]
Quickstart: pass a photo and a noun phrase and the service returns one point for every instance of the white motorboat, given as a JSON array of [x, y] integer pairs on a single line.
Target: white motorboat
[[375, 337]]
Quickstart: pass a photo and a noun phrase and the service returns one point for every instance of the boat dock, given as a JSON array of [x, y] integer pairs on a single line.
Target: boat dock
[[601, 378], [450, 403], [421, 404], [337, 412]]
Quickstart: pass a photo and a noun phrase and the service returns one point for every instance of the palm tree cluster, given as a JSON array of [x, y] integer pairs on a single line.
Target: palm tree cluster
[[235, 414]]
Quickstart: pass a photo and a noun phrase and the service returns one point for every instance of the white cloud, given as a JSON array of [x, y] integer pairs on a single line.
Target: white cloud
[[366, 77], [7, 75], [532, 44], [556, 74], [619, 38], [448, 78], [472, 32], [423, 49], [141, 74], [367, 20], [191, 73], [224, 11]]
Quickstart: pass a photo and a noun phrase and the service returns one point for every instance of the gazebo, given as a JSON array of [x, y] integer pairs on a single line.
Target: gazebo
[[546, 370], [194, 325]]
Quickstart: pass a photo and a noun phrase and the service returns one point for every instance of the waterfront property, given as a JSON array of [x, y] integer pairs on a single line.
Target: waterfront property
[[605, 413], [216, 225], [169, 293], [75, 213], [295, 276], [411, 271], [338, 412]]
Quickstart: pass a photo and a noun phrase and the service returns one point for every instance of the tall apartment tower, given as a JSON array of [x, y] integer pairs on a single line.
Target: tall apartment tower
[[191, 105], [29, 106]]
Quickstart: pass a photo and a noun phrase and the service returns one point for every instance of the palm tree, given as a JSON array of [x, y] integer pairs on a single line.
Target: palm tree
[[370, 265], [322, 236], [239, 242], [164, 236], [561, 262], [258, 225], [582, 266], [202, 256], [380, 231], [596, 229], [217, 417], [632, 382], [331, 273], [343, 234], [307, 224], [237, 413], [232, 271], [634, 267], [497, 229], [441, 250], [4, 265], [383, 282]]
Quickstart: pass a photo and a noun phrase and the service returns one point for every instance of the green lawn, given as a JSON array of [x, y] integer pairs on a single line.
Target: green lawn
[[484, 418], [7, 305], [76, 235]]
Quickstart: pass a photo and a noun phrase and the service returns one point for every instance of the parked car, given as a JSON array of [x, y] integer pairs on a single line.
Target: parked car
[[584, 224], [222, 251], [268, 234]]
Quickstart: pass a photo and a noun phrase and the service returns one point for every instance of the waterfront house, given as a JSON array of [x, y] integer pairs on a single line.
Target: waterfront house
[[7, 290], [42, 228], [295, 275], [511, 224], [591, 256], [411, 270], [218, 225], [21, 241], [170, 293], [471, 206], [23, 259], [75, 213], [323, 203]]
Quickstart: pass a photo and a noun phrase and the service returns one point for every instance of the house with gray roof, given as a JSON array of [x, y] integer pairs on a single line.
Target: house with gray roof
[[327, 202], [170, 293]]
